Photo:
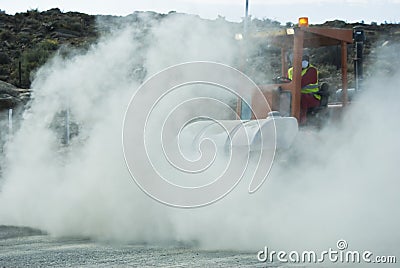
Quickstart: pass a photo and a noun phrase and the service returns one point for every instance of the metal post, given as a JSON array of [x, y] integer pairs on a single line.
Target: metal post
[[10, 122], [20, 73], [242, 107], [359, 38], [246, 15], [67, 127], [284, 63], [344, 73], [297, 56]]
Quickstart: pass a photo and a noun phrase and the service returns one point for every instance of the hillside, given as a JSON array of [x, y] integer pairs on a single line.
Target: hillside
[[29, 39]]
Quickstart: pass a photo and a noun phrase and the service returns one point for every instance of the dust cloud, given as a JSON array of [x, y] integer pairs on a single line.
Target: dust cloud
[[337, 183]]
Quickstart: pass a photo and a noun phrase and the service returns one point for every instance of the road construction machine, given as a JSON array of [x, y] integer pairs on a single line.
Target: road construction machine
[[284, 95], [274, 123]]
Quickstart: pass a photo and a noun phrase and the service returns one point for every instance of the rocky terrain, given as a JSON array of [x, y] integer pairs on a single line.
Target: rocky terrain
[[11, 96], [28, 40]]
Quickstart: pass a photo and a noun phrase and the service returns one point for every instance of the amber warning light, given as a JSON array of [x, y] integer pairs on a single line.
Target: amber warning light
[[303, 22]]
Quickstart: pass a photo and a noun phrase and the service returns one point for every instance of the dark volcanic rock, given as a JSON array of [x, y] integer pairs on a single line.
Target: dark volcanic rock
[[25, 35], [12, 97], [28, 39]]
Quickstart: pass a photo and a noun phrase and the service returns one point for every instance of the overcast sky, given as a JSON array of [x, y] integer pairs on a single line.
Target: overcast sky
[[318, 11]]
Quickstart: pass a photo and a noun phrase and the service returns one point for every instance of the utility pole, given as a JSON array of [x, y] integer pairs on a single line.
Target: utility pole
[[246, 16], [245, 110], [359, 39]]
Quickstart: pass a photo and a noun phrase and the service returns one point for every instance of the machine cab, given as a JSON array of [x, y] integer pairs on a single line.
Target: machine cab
[[284, 96]]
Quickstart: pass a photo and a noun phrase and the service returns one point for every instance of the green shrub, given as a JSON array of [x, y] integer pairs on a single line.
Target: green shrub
[[4, 58], [49, 44], [325, 71], [76, 26], [33, 58], [5, 35], [4, 71], [24, 38]]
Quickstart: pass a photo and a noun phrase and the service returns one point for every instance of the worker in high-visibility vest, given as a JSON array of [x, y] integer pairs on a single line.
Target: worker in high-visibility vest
[[309, 87]]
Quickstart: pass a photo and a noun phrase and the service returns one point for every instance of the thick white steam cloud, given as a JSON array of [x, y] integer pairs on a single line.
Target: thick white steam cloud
[[339, 183]]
